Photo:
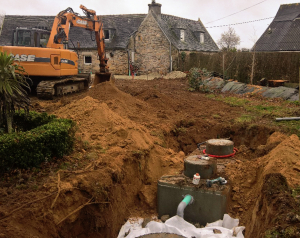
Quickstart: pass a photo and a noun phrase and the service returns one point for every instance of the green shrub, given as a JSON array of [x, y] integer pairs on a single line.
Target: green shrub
[[195, 79], [30, 148], [27, 121]]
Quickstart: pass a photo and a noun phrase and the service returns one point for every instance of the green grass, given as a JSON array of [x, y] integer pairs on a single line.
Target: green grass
[[292, 127], [266, 110], [235, 102], [211, 96], [245, 118]]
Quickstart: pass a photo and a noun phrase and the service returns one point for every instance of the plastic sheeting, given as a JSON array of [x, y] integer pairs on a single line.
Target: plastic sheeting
[[177, 225]]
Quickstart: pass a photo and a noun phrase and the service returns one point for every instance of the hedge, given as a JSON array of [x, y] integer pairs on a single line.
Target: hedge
[[28, 121], [26, 149]]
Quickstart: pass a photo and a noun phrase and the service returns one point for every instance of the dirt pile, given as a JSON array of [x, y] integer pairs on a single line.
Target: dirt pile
[[128, 136], [104, 119], [248, 179], [175, 75], [100, 125]]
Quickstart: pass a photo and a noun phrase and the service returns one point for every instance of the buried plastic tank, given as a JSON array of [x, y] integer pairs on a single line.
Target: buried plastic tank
[[210, 204], [209, 197]]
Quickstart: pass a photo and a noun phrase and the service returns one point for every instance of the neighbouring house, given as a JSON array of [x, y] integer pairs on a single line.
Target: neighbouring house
[[284, 31], [154, 42]]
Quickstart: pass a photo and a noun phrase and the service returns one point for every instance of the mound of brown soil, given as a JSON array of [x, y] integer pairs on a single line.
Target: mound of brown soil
[[126, 140], [248, 179]]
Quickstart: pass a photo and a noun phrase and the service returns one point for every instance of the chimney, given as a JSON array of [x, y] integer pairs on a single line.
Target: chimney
[[155, 8]]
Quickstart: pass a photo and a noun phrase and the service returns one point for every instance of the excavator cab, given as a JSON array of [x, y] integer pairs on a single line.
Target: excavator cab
[[30, 37]]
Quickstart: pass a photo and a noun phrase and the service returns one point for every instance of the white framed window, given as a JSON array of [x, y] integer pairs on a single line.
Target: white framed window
[[201, 37], [182, 35], [87, 58]]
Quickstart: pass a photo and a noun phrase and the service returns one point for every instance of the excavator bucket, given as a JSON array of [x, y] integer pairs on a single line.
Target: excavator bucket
[[101, 77]]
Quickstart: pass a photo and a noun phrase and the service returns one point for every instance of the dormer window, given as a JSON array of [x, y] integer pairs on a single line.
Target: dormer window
[[106, 35], [201, 37], [182, 35]]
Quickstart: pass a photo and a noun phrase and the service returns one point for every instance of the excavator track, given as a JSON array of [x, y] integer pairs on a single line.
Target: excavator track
[[50, 88]]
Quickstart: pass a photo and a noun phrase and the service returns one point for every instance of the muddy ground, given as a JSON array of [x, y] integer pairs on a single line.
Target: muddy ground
[[129, 134]]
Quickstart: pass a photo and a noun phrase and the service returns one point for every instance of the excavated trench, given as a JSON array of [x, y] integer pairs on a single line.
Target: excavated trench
[[127, 140], [125, 197]]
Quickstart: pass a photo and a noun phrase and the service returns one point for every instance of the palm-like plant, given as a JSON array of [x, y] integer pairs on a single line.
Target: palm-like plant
[[13, 85]]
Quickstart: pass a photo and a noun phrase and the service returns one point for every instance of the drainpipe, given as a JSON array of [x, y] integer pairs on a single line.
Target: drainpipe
[[128, 62], [128, 52], [188, 199]]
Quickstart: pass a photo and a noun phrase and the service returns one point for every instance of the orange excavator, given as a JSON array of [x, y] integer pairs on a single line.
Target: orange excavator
[[47, 59]]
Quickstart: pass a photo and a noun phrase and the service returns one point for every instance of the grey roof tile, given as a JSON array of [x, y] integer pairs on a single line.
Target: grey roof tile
[[123, 26], [171, 26], [284, 31], [288, 12], [11, 22]]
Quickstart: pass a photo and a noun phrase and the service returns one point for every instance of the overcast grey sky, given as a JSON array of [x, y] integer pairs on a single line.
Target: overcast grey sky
[[206, 10]]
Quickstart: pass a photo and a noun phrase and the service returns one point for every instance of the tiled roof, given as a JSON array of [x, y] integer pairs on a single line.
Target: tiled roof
[[123, 26], [283, 34], [171, 25], [11, 22]]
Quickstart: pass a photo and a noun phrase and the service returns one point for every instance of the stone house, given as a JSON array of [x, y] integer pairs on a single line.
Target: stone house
[[154, 42], [283, 33]]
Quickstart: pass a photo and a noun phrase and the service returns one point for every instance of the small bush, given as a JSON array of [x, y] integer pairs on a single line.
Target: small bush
[[25, 149], [195, 79], [27, 121]]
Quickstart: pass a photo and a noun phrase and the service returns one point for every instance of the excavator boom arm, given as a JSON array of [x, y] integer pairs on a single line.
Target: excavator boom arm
[[68, 18]]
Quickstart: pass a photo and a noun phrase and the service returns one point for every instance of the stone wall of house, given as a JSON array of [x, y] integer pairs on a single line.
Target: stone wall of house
[[151, 48], [175, 59], [87, 68], [117, 61]]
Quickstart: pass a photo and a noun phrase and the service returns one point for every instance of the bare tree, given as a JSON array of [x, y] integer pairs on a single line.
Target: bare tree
[[253, 39], [229, 40], [2, 15]]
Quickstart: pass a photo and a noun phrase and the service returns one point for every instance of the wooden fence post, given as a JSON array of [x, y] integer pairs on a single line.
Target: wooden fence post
[[223, 65], [252, 68]]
